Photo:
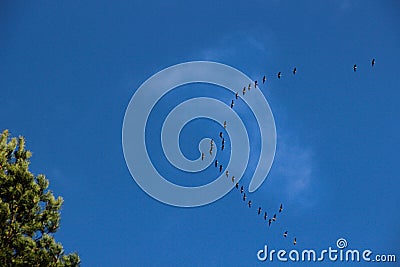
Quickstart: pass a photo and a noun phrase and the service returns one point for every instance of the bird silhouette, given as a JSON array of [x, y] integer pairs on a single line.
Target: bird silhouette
[[220, 168], [279, 75], [222, 147], [265, 215], [373, 62], [274, 218], [285, 234], [244, 90], [241, 190], [202, 156], [220, 134], [233, 179], [264, 79], [244, 197], [227, 173], [232, 104], [223, 141], [249, 87], [255, 84], [237, 185], [294, 241], [269, 222], [280, 208], [249, 203], [294, 71], [216, 163], [237, 95], [259, 210], [225, 124], [355, 67]]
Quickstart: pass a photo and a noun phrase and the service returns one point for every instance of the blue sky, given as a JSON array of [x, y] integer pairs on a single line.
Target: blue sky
[[68, 71]]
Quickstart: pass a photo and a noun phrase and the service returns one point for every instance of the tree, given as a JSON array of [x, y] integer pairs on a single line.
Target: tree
[[29, 212]]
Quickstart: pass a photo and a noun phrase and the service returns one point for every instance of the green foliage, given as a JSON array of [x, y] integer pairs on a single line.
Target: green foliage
[[29, 212]]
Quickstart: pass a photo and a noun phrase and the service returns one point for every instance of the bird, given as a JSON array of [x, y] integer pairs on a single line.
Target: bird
[[249, 203], [227, 173], [216, 163], [355, 67], [211, 142], [237, 95], [373, 62], [222, 147], [248, 88], [269, 222], [264, 79], [259, 210], [279, 75], [241, 189], [280, 208], [244, 90], [202, 156], [233, 180], [220, 134], [223, 141], [294, 241], [220, 168], [255, 84], [265, 215], [285, 234], [294, 71], [210, 151], [244, 196], [225, 124], [232, 104], [274, 218], [237, 185]]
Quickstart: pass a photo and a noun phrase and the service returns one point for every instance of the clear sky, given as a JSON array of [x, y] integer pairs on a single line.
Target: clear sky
[[69, 69]]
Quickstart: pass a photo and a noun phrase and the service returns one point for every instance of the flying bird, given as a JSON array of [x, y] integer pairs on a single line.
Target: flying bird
[[223, 141], [294, 241], [259, 210], [294, 71], [233, 180], [249, 203], [220, 168], [227, 173], [244, 196], [241, 189], [222, 147], [265, 215], [285, 234], [232, 104], [248, 88], [202, 156], [355, 67], [274, 218], [255, 84], [216, 163], [237, 185], [264, 79], [225, 124], [269, 222], [237, 95], [220, 134], [244, 90], [373, 62], [280, 208], [279, 75]]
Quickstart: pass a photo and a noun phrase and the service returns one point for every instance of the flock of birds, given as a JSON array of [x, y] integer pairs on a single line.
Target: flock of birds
[[237, 185]]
